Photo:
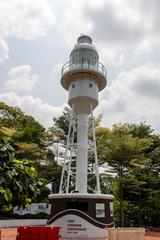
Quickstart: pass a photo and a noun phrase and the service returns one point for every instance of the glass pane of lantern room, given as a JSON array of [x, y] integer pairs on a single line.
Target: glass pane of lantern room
[[82, 56]]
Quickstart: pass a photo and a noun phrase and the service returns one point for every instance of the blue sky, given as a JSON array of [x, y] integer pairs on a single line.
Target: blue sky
[[36, 38]]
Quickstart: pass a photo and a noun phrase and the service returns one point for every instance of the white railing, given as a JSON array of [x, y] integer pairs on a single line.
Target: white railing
[[69, 66]]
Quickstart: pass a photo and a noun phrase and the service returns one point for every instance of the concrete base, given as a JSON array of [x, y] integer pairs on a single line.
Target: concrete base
[[83, 216]]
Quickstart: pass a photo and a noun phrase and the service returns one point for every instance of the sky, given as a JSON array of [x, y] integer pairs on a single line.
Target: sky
[[36, 38]]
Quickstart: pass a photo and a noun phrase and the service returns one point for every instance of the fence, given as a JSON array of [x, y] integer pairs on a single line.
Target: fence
[[126, 233]]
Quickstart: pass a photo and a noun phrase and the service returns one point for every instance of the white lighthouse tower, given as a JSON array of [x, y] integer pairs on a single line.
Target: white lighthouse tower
[[80, 211]]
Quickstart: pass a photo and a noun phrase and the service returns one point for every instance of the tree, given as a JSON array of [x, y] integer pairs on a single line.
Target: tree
[[23, 132], [52, 173], [61, 125], [24, 144], [147, 193], [141, 130], [124, 154], [19, 181]]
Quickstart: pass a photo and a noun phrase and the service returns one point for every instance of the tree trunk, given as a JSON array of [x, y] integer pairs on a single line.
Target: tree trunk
[[121, 199]]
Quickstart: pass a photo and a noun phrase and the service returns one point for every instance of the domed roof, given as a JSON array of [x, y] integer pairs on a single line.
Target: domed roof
[[84, 39], [84, 42]]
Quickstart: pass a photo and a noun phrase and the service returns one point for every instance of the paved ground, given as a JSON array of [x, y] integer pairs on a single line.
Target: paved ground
[[10, 234], [151, 238]]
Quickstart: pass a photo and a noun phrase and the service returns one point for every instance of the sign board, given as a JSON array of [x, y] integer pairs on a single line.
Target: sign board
[[100, 210], [74, 227]]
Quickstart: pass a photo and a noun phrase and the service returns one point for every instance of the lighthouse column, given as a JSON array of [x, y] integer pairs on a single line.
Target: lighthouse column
[[79, 214], [82, 153]]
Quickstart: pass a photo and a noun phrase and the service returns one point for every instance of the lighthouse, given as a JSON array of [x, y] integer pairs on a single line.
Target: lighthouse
[[80, 209]]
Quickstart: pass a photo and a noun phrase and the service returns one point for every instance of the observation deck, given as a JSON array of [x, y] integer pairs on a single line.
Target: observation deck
[[71, 71]]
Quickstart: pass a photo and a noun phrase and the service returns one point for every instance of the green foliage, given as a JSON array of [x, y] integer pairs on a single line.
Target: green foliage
[[61, 125], [141, 130], [19, 183], [28, 151], [23, 132], [132, 154], [120, 149], [22, 140], [52, 173], [6, 151], [14, 118]]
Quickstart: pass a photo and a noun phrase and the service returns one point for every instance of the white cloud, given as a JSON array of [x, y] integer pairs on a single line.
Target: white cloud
[[4, 50], [110, 55], [26, 19], [123, 28], [133, 97], [56, 71], [73, 22], [42, 111], [21, 79]]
